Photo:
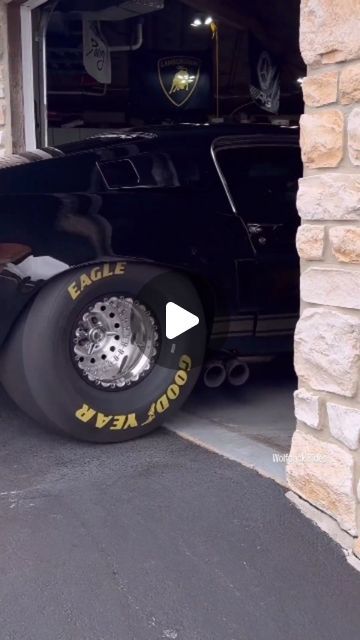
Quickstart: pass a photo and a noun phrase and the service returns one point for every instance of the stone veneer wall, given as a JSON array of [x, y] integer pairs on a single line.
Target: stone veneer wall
[[5, 142], [324, 464], [5, 109]]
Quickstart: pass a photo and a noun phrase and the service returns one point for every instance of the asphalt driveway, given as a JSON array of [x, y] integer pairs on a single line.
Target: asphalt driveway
[[157, 539]]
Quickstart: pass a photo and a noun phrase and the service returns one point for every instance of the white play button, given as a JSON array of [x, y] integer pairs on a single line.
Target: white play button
[[178, 320]]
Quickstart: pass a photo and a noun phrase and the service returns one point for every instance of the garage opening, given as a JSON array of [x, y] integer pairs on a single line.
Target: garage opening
[[137, 63], [106, 63]]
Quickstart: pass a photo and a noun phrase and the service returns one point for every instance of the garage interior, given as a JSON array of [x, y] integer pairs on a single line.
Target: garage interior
[[101, 75], [123, 93]]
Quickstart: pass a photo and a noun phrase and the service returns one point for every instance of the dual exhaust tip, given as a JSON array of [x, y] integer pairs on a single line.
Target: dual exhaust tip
[[235, 371]]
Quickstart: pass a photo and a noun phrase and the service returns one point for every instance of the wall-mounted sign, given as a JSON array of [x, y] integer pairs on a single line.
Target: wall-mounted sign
[[168, 84], [97, 56], [179, 77], [264, 77]]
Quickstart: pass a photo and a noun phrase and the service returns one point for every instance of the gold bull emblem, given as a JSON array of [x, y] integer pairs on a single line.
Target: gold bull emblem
[[179, 77], [181, 81]]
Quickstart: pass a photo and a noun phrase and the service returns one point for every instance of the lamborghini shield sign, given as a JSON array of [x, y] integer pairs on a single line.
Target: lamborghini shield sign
[[165, 84], [179, 77]]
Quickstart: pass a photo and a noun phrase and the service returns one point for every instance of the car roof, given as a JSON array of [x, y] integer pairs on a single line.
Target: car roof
[[201, 133], [184, 135]]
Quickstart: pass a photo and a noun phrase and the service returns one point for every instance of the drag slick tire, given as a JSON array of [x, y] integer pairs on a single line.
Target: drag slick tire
[[90, 355]]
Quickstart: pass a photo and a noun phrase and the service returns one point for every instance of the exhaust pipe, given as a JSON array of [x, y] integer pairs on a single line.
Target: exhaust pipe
[[237, 372], [214, 374]]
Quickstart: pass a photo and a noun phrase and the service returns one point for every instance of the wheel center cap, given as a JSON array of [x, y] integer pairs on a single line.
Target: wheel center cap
[[97, 335]]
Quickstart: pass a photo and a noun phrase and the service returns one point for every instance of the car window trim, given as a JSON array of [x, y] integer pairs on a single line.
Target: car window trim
[[245, 142]]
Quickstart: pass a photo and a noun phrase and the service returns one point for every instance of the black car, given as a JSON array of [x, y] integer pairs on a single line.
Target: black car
[[98, 237]]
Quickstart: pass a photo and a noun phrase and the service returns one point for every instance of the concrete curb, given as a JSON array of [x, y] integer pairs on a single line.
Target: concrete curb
[[233, 446]]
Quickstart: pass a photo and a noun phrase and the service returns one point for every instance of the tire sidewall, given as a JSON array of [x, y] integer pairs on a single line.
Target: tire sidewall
[[64, 396]]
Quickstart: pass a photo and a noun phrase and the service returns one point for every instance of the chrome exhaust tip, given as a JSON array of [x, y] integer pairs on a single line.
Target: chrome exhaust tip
[[214, 374], [237, 372]]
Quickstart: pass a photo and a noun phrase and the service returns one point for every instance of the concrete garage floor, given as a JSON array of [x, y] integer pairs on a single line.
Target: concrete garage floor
[[252, 424]]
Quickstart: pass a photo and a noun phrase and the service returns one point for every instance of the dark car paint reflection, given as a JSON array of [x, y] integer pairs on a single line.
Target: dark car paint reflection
[[159, 196]]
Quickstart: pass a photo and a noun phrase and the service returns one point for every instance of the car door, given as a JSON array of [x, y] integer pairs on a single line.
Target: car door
[[168, 204], [262, 175]]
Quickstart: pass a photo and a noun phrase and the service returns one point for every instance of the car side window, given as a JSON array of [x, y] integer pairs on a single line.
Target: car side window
[[154, 170], [263, 182]]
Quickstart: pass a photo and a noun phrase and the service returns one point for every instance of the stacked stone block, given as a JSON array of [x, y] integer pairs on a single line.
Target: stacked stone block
[[324, 463]]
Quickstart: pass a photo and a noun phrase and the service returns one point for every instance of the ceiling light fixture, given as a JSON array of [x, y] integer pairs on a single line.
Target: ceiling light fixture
[[208, 22], [197, 22], [202, 21]]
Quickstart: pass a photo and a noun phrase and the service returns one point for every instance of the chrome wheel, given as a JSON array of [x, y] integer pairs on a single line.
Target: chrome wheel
[[115, 343]]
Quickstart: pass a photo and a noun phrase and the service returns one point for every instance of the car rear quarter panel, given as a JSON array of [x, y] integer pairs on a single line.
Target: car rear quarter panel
[[42, 236]]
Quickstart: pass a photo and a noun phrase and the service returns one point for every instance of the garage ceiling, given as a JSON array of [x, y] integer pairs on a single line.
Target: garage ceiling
[[89, 5], [275, 23]]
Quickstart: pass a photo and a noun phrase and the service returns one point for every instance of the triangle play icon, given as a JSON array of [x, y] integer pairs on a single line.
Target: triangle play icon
[[178, 320]]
